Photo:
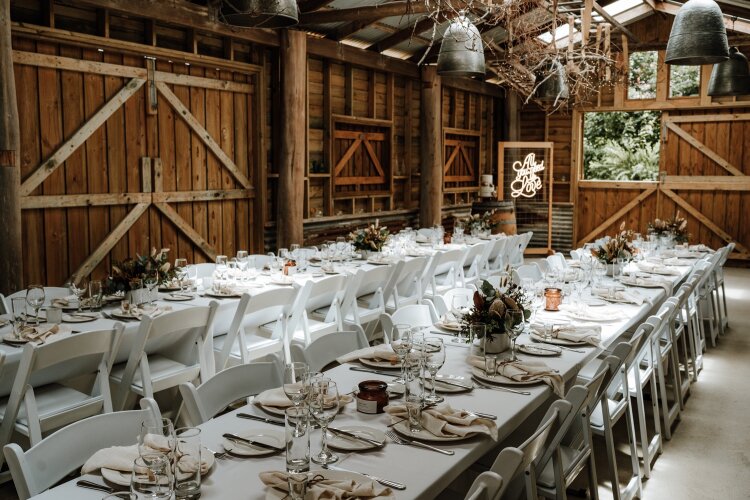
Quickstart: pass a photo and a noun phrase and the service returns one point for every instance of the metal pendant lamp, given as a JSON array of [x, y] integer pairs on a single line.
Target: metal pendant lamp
[[260, 13], [554, 83], [731, 77], [461, 51], [698, 35]]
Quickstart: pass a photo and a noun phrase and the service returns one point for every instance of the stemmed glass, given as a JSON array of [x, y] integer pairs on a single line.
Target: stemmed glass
[[324, 405], [295, 383], [35, 299], [157, 438], [401, 346], [151, 281], [180, 268], [79, 290], [513, 327], [434, 359]]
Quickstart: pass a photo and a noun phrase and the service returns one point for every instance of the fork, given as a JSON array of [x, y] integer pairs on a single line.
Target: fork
[[399, 440], [220, 455], [500, 388]]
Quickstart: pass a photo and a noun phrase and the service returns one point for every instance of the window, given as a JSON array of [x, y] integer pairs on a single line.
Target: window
[[642, 75], [684, 81], [621, 145]]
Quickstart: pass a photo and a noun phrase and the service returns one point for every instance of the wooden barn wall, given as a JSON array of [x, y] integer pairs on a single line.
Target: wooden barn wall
[[77, 219]]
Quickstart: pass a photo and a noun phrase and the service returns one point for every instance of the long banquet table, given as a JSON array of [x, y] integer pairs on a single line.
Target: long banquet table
[[425, 473]]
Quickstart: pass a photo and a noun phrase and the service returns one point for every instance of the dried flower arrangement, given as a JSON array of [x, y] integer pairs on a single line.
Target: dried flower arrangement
[[371, 238], [480, 222], [619, 246], [491, 305], [676, 226], [138, 268]]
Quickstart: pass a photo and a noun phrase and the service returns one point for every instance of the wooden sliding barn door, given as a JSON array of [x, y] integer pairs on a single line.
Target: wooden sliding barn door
[[705, 162], [121, 154]]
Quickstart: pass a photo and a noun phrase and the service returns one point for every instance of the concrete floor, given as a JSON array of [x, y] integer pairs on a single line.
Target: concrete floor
[[708, 457]]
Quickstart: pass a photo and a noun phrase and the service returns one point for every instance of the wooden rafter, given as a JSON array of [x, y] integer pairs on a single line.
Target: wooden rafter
[[68, 147], [368, 13], [614, 22], [312, 5]]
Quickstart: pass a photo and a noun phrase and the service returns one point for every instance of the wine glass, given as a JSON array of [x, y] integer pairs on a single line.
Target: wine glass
[[157, 438], [295, 386], [401, 346], [434, 358], [35, 299], [95, 293], [180, 268], [152, 477], [459, 306], [513, 326], [79, 290], [151, 281], [324, 405]]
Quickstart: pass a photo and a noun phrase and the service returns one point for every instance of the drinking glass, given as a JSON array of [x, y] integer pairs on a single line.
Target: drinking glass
[[96, 291], [477, 331], [513, 327], [35, 299], [157, 437], [152, 477], [297, 431], [180, 268], [413, 405], [18, 316], [151, 281], [295, 386], [187, 476], [324, 405], [434, 359], [490, 365], [242, 261], [401, 346]]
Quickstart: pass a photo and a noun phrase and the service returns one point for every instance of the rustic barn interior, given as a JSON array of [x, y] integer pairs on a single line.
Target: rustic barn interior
[[299, 157]]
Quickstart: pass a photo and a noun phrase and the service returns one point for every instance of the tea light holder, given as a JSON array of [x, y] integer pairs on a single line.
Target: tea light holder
[[552, 299]]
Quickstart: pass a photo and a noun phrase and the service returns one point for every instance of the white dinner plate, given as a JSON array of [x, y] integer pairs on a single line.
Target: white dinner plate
[[449, 388], [176, 297], [270, 437], [122, 478], [282, 282], [501, 380], [423, 435], [594, 302], [380, 364], [556, 341], [643, 285], [273, 410], [10, 338], [347, 443], [537, 350], [273, 494], [233, 295], [79, 318], [453, 327]]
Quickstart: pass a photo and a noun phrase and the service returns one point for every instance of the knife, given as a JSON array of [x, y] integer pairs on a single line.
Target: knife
[[456, 384], [260, 419], [384, 482], [250, 442], [358, 369], [479, 414], [350, 434], [83, 483]]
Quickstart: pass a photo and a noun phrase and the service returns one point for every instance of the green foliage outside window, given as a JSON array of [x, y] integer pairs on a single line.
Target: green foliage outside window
[[642, 75], [684, 81], [622, 146]]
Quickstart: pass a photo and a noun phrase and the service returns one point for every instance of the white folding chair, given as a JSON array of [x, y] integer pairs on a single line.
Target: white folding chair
[[443, 303], [204, 269], [689, 321], [319, 302], [33, 409], [444, 272], [556, 261], [530, 271], [415, 315], [168, 350], [65, 451], [721, 295], [204, 402], [260, 261], [324, 350], [496, 260], [487, 486], [473, 264], [407, 289], [575, 254], [667, 366], [363, 301], [247, 338], [680, 340]]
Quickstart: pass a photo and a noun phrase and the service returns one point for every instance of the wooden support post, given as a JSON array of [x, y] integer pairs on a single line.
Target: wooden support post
[[11, 257], [512, 116], [290, 199], [431, 141]]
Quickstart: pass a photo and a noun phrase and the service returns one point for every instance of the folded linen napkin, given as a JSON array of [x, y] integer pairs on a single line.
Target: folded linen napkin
[[678, 261], [64, 301], [38, 333], [648, 282], [444, 421], [700, 248], [591, 334], [277, 399], [374, 353], [121, 457], [586, 313], [620, 295], [524, 371], [319, 488], [652, 267]]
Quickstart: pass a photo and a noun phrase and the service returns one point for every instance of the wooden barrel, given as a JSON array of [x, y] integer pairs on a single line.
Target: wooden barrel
[[504, 215]]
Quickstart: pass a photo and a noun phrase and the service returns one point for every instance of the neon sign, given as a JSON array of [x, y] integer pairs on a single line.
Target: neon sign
[[527, 182]]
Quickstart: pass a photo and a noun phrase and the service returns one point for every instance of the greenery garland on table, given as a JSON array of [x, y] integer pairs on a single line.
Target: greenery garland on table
[[619, 246], [371, 238], [491, 305], [676, 226], [138, 268]]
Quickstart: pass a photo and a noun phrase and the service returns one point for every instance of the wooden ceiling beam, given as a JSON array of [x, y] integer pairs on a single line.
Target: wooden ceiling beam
[[369, 13], [312, 5], [614, 22], [351, 28], [412, 31]]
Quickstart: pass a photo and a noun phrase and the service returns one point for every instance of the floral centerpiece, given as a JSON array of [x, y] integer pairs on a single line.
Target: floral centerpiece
[[371, 238], [619, 246], [137, 269], [480, 222], [676, 227], [490, 307]]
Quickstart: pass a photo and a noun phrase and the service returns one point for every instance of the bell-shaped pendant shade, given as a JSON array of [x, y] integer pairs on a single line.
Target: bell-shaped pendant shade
[[731, 77], [461, 51], [554, 83], [698, 35], [260, 13]]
